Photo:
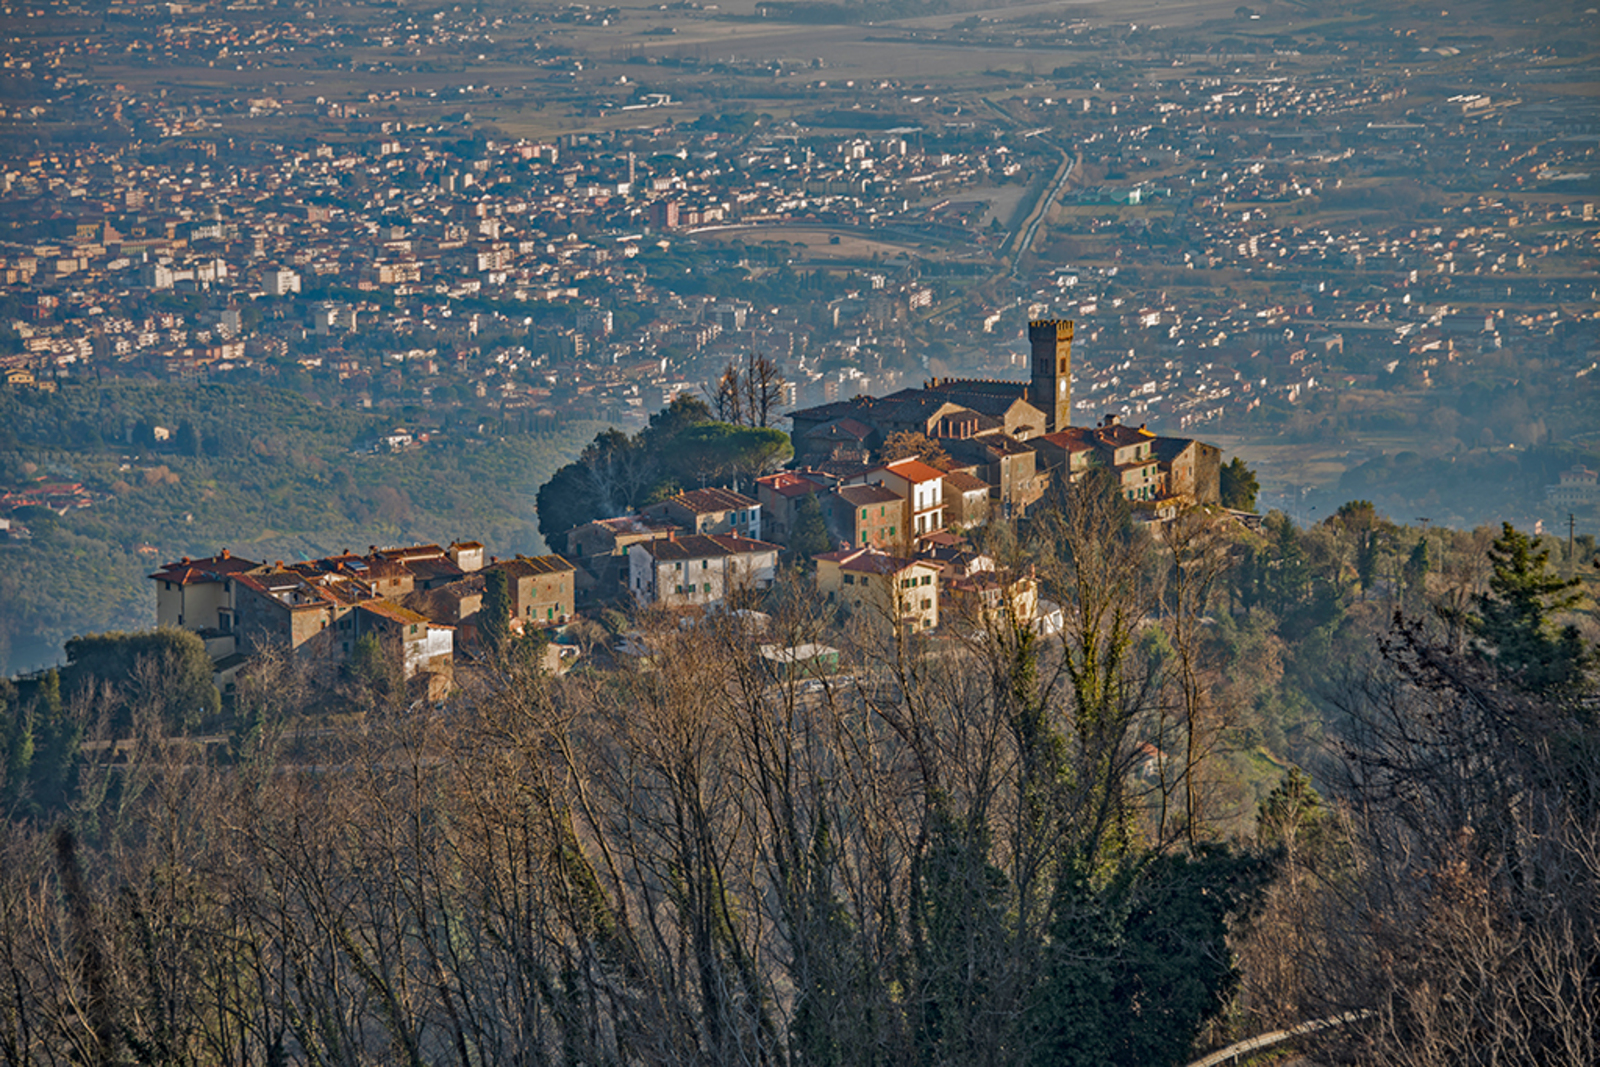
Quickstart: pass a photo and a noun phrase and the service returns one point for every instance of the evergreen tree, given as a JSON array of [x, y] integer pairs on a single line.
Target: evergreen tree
[[1515, 622], [184, 688], [1288, 577], [1366, 558], [368, 664], [1239, 486], [494, 613], [1141, 964], [53, 738], [1417, 566], [16, 740], [1293, 815], [810, 535]]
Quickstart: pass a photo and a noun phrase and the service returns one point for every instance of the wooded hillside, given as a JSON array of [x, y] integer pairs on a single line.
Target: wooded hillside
[[1254, 780], [262, 471]]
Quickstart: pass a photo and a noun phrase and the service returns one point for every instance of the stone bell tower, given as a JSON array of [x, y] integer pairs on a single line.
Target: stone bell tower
[[1050, 381]]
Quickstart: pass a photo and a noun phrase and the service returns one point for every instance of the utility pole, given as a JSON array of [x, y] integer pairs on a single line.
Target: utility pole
[[1572, 561]]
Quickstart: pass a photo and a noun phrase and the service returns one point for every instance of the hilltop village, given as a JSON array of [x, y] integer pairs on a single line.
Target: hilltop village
[[1358, 253], [886, 535]]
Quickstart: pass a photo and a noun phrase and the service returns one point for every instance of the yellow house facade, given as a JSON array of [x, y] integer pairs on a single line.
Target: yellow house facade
[[905, 591]]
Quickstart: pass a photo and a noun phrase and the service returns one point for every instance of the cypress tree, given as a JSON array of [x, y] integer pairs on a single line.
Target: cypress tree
[[494, 614]]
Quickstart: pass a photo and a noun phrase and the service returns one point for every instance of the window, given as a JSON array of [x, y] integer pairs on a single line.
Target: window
[[706, 587], [863, 513], [926, 604], [849, 579], [705, 564], [678, 566], [927, 579], [678, 589], [413, 627]]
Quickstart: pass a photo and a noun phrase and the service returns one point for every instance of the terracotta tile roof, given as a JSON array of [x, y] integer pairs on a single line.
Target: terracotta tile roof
[[704, 546], [388, 609], [840, 430], [790, 484], [428, 570], [551, 564], [962, 482], [871, 561], [1072, 439], [212, 569], [701, 501], [862, 495], [913, 470], [531, 566], [626, 524], [1117, 436]]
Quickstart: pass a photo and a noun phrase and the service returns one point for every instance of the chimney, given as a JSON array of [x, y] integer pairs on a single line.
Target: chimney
[[224, 554], [184, 560]]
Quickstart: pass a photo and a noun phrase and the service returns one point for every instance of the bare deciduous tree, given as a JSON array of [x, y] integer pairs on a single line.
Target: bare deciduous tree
[[749, 395]]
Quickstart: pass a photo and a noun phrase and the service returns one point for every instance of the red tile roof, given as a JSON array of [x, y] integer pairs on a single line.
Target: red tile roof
[[701, 501], [790, 484], [705, 546], [196, 571], [914, 470]]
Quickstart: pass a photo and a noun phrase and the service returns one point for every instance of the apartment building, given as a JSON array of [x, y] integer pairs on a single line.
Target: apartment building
[[699, 569], [711, 511], [881, 586]]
